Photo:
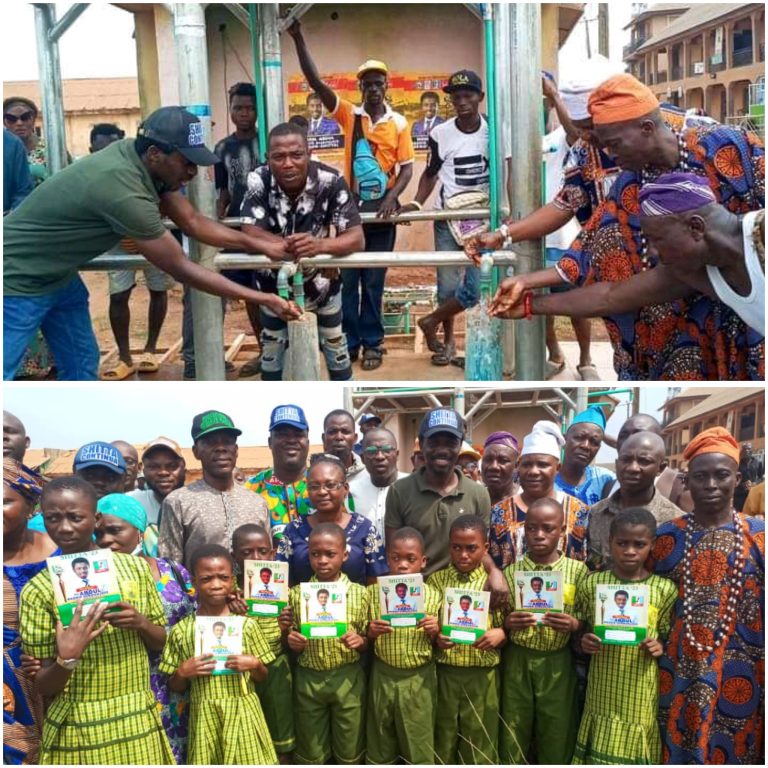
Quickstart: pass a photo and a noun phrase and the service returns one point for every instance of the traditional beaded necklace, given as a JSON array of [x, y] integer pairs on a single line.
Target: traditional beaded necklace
[[735, 587], [647, 176]]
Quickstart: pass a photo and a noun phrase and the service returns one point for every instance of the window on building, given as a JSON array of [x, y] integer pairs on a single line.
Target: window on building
[[747, 423]]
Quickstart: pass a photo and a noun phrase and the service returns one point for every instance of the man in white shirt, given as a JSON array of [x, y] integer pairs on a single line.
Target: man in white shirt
[[369, 489], [458, 158], [163, 466]]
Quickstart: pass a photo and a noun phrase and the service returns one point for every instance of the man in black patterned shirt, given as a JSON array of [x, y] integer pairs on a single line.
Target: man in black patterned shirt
[[291, 205]]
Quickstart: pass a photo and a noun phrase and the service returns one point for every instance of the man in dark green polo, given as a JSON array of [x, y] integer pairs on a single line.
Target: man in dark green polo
[[432, 497], [85, 210]]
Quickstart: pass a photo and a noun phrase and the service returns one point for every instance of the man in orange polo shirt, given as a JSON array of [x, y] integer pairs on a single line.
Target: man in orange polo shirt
[[389, 137]]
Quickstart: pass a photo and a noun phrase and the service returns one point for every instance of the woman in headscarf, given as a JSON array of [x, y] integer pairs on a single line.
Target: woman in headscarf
[[711, 676], [121, 529], [24, 553], [537, 468]]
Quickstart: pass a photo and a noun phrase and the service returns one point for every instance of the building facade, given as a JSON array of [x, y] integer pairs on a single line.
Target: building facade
[[741, 410], [706, 56]]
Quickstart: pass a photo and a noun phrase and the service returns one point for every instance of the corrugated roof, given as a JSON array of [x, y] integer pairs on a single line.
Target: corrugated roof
[[656, 9], [697, 16], [690, 393], [89, 95], [252, 457], [722, 399]]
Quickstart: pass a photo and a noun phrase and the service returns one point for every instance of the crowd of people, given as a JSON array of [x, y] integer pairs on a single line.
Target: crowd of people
[[126, 682], [668, 207]]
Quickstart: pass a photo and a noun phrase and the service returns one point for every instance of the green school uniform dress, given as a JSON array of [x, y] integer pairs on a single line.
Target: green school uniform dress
[[329, 688], [276, 692], [539, 679], [620, 721], [226, 722], [467, 728], [106, 713], [402, 691]]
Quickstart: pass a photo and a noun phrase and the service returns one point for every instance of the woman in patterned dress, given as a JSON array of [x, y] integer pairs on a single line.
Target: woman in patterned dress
[[620, 724], [94, 672], [328, 488], [712, 673], [538, 466], [122, 524], [24, 553]]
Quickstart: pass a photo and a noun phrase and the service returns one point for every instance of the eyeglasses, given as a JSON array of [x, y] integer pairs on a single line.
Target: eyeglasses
[[25, 117], [372, 450], [315, 487]]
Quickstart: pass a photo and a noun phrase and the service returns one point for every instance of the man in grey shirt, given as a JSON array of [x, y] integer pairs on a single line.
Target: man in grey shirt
[[209, 510]]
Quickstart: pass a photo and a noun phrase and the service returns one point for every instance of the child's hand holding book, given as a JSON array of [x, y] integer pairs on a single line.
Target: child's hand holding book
[[519, 620], [72, 641], [591, 643], [296, 641], [285, 619], [377, 628], [197, 666], [490, 639], [561, 622], [430, 625], [652, 646], [244, 663], [236, 604], [353, 641]]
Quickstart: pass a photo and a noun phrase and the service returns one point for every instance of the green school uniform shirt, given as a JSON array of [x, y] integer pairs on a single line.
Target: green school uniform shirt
[[405, 647], [78, 214], [466, 655], [325, 654], [541, 638]]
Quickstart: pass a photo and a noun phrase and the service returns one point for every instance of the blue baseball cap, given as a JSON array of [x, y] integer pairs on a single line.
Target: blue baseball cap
[[442, 420], [290, 415], [366, 417], [99, 455]]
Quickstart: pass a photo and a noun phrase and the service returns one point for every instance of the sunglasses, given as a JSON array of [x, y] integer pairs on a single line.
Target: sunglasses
[[25, 117]]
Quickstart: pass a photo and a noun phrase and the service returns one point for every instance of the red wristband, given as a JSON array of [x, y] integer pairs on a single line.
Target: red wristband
[[528, 305]]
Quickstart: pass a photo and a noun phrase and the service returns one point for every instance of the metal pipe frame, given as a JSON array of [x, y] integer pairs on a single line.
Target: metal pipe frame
[[67, 20], [261, 106], [363, 259], [192, 55], [525, 82], [271, 65], [52, 101], [296, 12]]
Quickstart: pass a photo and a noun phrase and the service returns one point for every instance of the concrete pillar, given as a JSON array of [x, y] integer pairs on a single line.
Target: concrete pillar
[[550, 37], [271, 63], [146, 61]]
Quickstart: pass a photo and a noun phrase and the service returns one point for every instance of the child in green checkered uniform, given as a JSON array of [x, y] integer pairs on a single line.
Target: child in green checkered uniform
[[226, 722], [620, 724], [402, 689], [538, 676], [329, 682], [467, 726], [94, 673], [252, 542]]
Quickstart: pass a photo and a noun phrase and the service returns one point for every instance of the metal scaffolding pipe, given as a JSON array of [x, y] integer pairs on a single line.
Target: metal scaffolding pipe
[[52, 101], [192, 56], [525, 80], [67, 20], [504, 76], [258, 76], [271, 65], [354, 260]]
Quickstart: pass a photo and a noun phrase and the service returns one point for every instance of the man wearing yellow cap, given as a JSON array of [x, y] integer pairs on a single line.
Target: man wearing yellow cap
[[688, 339], [389, 139], [711, 678]]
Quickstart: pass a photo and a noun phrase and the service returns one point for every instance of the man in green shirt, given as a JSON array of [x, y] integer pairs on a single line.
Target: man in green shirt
[[431, 498], [84, 211]]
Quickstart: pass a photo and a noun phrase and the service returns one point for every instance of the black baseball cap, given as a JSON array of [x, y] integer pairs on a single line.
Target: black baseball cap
[[442, 420], [180, 130], [464, 80], [212, 421]]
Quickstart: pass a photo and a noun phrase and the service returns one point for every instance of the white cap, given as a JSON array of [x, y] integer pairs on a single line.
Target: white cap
[[583, 78], [546, 438]]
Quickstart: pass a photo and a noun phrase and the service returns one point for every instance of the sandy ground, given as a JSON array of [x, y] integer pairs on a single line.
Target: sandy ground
[[401, 350]]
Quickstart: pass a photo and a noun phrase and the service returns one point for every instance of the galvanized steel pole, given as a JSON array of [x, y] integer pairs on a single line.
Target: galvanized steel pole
[[52, 101], [271, 64], [525, 47], [192, 57]]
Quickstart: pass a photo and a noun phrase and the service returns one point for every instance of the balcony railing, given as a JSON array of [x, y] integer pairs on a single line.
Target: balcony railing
[[742, 57], [633, 46], [676, 73]]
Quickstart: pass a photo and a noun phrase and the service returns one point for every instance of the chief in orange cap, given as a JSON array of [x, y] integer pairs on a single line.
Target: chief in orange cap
[[621, 98], [714, 440]]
